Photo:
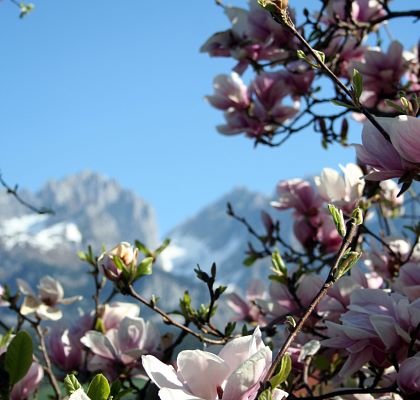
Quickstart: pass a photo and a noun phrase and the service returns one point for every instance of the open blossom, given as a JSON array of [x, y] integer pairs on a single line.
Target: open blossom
[[230, 92], [376, 325], [382, 72], [299, 195], [344, 192], [121, 347], [391, 159], [233, 374], [125, 252], [361, 10], [253, 36], [44, 305]]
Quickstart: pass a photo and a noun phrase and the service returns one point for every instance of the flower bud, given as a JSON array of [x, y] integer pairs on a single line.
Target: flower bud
[[109, 264]]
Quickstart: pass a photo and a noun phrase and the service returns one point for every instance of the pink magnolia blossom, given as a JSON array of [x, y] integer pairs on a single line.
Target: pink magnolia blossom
[[28, 384], [344, 192], [382, 72], [121, 347], [268, 91], [65, 350], [233, 374], [376, 325], [409, 375], [230, 92], [299, 195], [44, 305], [343, 51], [391, 159], [247, 309], [361, 10], [387, 264], [408, 281], [338, 297], [125, 252]]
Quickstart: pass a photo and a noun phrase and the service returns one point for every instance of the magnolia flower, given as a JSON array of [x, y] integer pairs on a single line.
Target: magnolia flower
[[392, 159], [121, 346], [376, 325], [65, 350], [299, 195], [409, 375], [344, 192], [234, 374], [125, 252], [408, 281], [230, 92], [28, 384], [382, 71], [361, 10], [247, 309], [50, 294]]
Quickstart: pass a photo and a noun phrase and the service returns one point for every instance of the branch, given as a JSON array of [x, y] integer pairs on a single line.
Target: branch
[[322, 292], [169, 320], [14, 193]]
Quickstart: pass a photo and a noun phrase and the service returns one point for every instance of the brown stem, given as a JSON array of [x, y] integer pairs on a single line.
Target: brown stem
[[351, 232], [48, 366], [284, 19], [168, 319]]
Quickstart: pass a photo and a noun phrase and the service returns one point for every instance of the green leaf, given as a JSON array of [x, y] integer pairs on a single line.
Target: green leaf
[[266, 395], [357, 83], [357, 215], [250, 260], [143, 248], [163, 246], [71, 384], [284, 371], [145, 267], [19, 357], [99, 388], [5, 339], [278, 264], [346, 263], [338, 219]]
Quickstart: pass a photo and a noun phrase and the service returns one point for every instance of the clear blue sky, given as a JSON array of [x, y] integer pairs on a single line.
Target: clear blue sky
[[117, 87]]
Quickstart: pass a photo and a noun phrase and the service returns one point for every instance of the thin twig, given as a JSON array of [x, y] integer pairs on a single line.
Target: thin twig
[[168, 319], [14, 193]]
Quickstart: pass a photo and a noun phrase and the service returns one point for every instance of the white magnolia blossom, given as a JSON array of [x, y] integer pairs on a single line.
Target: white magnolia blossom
[[234, 374], [50, 294], [79, 394], [343, 191]]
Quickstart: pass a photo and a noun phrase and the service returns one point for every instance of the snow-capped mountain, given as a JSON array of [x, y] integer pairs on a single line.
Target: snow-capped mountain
[[213, 236], [93, 210]]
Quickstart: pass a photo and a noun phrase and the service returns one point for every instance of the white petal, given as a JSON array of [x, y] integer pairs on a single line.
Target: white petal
[[162, 375]]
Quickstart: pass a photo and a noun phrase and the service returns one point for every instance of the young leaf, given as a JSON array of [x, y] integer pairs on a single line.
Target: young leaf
[[71, 384], [282, 375], [338, 219], [145, 267], [19, 357], [357, 83], [99, 388]]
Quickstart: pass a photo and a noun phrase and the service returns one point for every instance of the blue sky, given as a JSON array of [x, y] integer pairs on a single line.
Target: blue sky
[[117, 87]]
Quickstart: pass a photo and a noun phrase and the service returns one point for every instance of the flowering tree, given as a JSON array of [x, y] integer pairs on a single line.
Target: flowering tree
[[340, 315]]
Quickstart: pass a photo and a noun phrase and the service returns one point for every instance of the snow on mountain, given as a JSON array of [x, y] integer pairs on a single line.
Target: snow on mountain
[[32, 230]]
